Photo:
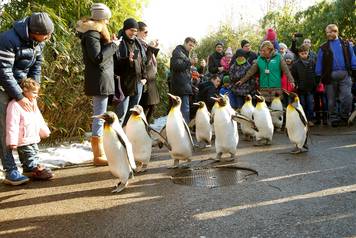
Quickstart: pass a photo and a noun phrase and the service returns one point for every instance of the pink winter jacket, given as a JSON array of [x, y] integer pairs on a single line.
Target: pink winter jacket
[[22, 127]]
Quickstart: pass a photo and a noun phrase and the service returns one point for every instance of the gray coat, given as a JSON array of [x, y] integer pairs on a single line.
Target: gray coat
[[180, 72]]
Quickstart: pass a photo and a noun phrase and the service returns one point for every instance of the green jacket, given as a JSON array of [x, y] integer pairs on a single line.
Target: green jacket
[[270, 71]]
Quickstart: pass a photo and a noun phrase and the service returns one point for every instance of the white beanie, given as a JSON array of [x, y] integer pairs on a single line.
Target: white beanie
[[99, 11], [282, 45]]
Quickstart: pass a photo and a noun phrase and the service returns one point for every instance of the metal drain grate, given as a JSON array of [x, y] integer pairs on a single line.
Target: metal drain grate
[[211, 177]]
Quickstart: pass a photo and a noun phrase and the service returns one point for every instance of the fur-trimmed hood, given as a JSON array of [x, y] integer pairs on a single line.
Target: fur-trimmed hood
[[84, 26]]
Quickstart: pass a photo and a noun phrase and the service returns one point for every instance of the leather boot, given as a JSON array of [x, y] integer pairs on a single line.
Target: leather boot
[[98, 151]]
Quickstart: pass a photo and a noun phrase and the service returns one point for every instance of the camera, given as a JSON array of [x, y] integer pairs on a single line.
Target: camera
[[298, 34]]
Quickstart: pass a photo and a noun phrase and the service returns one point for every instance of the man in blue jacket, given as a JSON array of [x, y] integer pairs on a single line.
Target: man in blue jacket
[[336, 63], [20, 57]]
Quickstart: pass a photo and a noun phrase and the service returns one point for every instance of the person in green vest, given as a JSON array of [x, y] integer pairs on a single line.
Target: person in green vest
[[270, 65]]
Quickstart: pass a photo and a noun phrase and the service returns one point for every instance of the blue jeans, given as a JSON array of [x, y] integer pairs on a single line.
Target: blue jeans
[[123, 109], [185, 108], [7, 159], [100, 104], [307, 101], [28, 155], [339, 89]]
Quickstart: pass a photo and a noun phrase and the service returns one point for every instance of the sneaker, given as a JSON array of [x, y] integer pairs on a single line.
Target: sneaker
[[40, 173], [14, 177]]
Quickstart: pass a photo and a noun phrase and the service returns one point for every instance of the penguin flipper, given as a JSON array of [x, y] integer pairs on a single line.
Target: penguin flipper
[[191, 123], [244, 120], [352, 117], [128, 148], [163, 139], [302, 117], [188, 131]]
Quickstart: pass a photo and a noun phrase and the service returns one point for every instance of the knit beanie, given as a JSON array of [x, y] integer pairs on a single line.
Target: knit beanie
[[40, 23], [271, 35], [219, 43], [228, 51], [289, 56], [226, 79], [240, 53], [244, 42], [99, 11], [282, 45], [130, 23]]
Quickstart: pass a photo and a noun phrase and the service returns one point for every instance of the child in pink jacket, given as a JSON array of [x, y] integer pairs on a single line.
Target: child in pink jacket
[[24, 129]]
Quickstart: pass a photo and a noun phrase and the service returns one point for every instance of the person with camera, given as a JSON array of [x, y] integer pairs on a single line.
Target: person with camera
[[336, 62], [306, 42], [130, 65]]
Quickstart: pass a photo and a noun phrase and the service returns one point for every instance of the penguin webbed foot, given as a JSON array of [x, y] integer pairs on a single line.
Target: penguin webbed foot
[[119, 187]]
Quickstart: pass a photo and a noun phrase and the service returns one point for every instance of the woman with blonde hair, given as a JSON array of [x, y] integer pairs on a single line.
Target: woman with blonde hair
[[98, 50], [270, 65]]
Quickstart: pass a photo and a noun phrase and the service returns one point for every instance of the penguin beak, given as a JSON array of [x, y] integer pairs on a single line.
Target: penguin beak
[[215, 99], [134, 110], [286, 92], [172, 96], [259, 97], [196, 104], [98, 117]]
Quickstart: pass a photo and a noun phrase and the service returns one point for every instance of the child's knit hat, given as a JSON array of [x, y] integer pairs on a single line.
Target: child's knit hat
[[226, 79]]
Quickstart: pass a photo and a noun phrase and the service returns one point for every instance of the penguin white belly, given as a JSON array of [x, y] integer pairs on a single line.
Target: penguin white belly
[[296, 130], [141, 142], [226, 134], [178, 138], [263, 122], [277, 121], [116, 155], [203, 129]]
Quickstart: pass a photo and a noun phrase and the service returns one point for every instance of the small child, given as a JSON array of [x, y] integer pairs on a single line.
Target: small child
[[24, 130], [238, 71], [303, 71], [225, 61], [226, 89]]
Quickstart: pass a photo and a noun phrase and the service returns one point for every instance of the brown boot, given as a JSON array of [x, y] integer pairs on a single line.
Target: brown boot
[[98, 151]]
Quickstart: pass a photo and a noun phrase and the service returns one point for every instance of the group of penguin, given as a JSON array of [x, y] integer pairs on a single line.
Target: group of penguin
[[129, 149]]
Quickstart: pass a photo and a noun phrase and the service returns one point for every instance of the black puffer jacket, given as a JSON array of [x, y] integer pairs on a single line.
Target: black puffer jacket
[[214, 62], [98, 60], [20, 57], [304, 75], [130, 72], [180, 72]]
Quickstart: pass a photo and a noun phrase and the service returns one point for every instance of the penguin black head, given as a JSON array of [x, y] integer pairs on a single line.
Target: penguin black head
[[277, 94], [259, 98], [176, 100], [248, 98], [221, 100], [109, 117], [200, 104], [136, 110], [293, 97]]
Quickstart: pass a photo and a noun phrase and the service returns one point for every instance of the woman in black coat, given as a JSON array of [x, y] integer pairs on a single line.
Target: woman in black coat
[[130, 65], [98, 50]]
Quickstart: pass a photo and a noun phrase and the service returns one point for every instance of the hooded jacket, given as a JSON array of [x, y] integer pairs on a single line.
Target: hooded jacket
[[97, 57], [20, 57]]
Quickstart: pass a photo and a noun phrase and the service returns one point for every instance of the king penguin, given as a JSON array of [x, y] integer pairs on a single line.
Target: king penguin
[[247, 111], [203, 128], [178, 134], [139, 132], [226, 133], [118, 150], [263, 122], [277, 112], [296, 124]]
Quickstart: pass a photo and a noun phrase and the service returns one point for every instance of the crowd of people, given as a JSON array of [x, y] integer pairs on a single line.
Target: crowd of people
[[121, 70], [322, 80]]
